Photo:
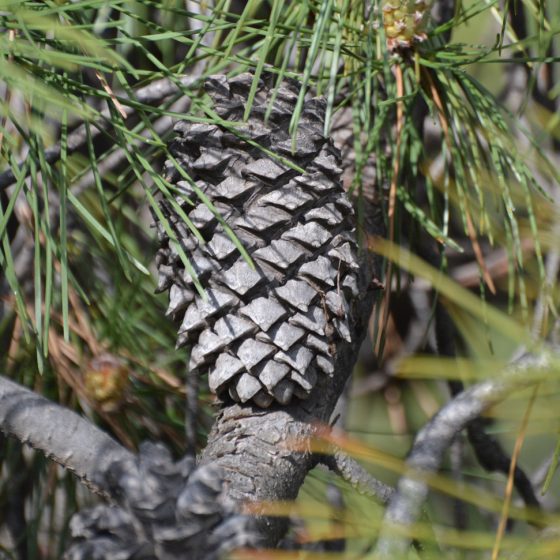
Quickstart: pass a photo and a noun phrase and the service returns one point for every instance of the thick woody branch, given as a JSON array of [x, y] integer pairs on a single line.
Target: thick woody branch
[[436, 437], [62, 435], [266, 454]]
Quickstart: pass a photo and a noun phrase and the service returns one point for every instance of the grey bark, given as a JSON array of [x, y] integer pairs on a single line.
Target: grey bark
[[62, 435], [359, 478]]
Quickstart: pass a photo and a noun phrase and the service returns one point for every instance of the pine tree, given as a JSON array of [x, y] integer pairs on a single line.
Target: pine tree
[[300, 160]]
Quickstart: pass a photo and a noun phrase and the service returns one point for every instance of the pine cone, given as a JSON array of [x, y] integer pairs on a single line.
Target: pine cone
[[167, 511], [263, 334], [405, 22]]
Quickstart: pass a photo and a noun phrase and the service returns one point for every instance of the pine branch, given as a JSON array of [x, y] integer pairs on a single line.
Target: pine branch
[[62, 435], [436, 437], [153, 93], [352, 472]]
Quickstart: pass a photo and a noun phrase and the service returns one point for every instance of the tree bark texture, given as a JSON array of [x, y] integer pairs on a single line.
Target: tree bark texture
[[62, 435], [266, 454]]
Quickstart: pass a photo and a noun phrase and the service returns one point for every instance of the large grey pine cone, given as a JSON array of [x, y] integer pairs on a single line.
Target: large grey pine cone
[[263, 334]]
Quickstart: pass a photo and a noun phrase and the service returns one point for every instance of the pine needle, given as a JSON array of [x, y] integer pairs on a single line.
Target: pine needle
[[470, 228], [509, 486], [392, 205]]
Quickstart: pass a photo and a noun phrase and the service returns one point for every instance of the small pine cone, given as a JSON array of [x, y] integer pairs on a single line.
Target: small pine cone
[[167, 511], [405, 22], [262, 333]]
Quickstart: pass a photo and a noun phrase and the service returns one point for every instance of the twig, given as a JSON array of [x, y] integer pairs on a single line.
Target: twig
[[363, 482], [352, 472], [152, 93], [436, 437], [471, 231], [20, 483], [59, 433], [445, 11], [392, 205], [488, 450], [493, 458], [119, 156]]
